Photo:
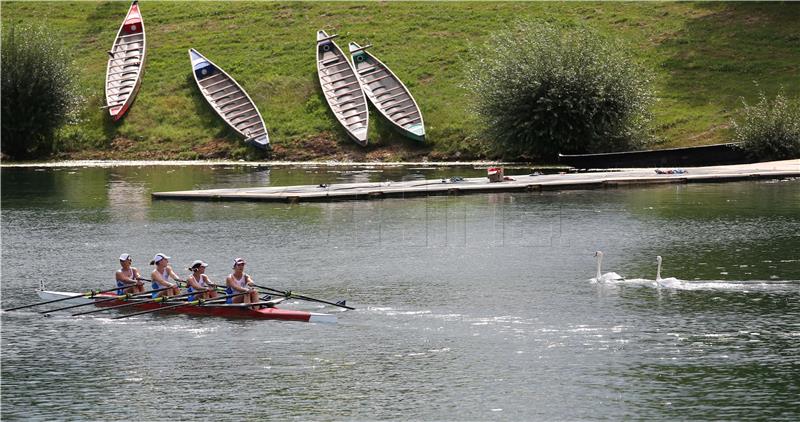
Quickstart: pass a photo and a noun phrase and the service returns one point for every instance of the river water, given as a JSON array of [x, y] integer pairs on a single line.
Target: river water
[[468, 308]]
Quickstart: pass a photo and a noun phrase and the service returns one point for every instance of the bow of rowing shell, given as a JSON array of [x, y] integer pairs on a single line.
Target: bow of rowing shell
[[221, 310]]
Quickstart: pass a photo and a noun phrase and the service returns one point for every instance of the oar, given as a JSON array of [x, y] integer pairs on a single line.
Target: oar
[[124, 297], [289, 294], [198, 302], [158, 299], [90, 294]]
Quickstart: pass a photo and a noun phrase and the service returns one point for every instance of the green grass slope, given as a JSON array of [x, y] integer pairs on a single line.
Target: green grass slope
[[706, 57]]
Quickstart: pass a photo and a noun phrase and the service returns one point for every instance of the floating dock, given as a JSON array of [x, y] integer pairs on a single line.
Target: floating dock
[[514, 183]]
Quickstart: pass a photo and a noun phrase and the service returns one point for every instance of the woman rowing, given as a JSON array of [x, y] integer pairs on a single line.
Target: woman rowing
[[199, 282], [128, 278], [239, 282], [161, 276]]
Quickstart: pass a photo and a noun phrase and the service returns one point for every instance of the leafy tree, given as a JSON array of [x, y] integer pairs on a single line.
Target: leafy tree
[[770, 130], [543, 89], [37, 90]]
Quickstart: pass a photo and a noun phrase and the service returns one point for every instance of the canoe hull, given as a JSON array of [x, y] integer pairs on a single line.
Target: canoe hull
[[217, 310], [388, 94], [126, 63], [342, 88], [229, 100]]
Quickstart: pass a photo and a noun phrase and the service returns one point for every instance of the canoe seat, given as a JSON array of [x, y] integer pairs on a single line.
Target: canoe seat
[[220, 105], [340, 79], [386, 90], [380, 78], [334, 89], [337, 72], [384, 100], [328, 62]]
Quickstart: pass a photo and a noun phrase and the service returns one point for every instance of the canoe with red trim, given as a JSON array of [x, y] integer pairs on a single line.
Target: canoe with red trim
[[125, 63]]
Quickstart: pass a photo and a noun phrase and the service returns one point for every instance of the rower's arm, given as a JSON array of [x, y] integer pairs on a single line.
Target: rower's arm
[[193, 283], [160, 280], [120, 276], [173, 275], [233, 285]]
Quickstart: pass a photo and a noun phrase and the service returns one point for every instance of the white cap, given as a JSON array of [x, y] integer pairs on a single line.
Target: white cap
[[197, 264], [125, 257], [157, 258], [238, 261]]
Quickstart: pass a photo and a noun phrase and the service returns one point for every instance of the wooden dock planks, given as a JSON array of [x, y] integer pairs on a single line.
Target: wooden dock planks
[[520, 183]]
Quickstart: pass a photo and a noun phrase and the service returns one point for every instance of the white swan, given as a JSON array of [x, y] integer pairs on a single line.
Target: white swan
[[610, 276], [669, 282]]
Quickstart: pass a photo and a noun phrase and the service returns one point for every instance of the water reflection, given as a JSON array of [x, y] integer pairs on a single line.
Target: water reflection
[[449, 290]]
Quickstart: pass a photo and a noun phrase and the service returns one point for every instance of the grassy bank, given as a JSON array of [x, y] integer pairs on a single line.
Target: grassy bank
[[706, 56]]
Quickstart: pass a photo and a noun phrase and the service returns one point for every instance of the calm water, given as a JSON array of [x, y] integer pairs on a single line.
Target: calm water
[[469, 308]]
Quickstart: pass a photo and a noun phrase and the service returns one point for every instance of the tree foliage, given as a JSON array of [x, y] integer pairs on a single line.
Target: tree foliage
[[770, 129], [543, 89], [38, 93]]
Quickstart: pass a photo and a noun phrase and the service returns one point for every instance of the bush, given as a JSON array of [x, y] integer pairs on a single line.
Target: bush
[[544, 89], [37, 91], [770, 130]]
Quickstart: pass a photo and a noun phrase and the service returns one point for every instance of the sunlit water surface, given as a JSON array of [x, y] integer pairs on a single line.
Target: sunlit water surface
[[468, 307]]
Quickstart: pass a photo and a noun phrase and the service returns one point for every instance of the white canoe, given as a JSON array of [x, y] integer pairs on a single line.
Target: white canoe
[[387, 93], [229, 100], [342, 89], [125, 63]]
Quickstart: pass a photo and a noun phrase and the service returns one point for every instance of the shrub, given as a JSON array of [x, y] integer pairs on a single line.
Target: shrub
[[37, 90], [544, 89], [770, 130]]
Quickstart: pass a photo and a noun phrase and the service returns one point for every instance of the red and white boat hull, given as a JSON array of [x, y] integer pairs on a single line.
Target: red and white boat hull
[[219, 310]]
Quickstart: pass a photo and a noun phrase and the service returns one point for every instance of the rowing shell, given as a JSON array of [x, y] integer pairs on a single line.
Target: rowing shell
[[220, 310]]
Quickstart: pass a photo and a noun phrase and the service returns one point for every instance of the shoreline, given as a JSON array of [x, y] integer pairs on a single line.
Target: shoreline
[[141, 163]]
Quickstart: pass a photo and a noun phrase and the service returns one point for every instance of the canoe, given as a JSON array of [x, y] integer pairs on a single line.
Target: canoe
[[229, 100], [387, 93], [706, 155], [218, 310], [125, 63], [342, 89]]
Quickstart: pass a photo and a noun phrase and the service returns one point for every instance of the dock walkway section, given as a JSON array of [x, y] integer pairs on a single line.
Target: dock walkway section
[[515, 183]]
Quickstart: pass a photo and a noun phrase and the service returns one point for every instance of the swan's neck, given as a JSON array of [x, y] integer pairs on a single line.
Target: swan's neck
[[658, 271], [599, 263]]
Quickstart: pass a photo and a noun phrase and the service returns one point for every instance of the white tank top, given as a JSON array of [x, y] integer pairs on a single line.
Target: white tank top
[[130, 273], [201, 281], [242, 282], [165, 275]]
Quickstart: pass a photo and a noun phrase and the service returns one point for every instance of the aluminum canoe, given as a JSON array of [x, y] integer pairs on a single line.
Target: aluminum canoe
[[388, 93], [342, 88], [126, 63], [229, 100]]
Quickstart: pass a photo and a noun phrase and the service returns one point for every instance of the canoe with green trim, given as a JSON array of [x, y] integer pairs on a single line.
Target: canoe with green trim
[[388, 93]]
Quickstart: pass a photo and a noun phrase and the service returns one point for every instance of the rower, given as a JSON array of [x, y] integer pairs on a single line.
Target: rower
[[200, 281], [128, 278], [239, 282], [161, 276]]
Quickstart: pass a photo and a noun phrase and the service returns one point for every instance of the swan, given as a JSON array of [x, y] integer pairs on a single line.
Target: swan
[[610, 276], [669, 282]]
